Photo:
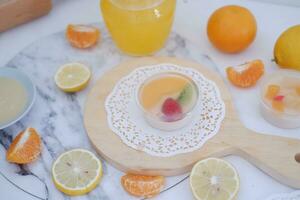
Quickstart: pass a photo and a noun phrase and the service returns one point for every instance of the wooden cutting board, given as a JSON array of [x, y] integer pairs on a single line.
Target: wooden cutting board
[[15, 12], [277, 156]]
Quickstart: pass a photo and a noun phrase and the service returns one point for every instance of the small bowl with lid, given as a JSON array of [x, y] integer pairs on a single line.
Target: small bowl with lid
[[280, 98], [168, 100]]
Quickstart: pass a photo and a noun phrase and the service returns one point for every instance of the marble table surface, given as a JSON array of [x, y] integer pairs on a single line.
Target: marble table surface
[[58, 116]]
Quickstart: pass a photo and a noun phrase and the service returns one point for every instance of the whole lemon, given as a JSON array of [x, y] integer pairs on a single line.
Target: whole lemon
[[287, 48], [231, 28]]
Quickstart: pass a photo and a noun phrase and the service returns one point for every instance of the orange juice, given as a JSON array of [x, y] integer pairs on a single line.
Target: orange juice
[[138, 27]]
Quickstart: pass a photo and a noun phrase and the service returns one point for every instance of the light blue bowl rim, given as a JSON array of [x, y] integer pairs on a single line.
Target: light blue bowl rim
[[30, 88]]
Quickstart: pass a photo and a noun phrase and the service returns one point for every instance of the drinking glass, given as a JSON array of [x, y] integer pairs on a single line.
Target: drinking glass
[[139, 27]]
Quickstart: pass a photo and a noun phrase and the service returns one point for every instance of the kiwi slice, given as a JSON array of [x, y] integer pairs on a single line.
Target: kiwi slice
[[186, 94]]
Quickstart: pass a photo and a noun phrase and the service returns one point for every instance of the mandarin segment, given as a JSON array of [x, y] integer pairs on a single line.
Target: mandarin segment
[[245, 75], [25, 148], [272, 91], [141, 185], [82, 36]]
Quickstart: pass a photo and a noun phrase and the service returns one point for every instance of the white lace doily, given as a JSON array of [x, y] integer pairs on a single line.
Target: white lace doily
[[127, 121], [287, 196]]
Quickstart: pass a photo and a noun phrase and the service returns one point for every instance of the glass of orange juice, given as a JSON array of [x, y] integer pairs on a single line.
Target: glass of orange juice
[[139, 27]]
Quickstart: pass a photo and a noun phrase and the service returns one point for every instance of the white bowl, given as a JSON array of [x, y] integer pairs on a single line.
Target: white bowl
[[29, 87]]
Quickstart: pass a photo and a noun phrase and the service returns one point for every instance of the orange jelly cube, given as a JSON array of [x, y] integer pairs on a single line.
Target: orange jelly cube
[[278, 105], [272, 91], [153, 91]]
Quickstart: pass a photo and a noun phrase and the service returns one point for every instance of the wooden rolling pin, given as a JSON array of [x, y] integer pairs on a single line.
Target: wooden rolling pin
[[16, 12]]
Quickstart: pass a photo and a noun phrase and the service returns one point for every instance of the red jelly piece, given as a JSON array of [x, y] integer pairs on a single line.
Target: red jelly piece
[[279, 98]]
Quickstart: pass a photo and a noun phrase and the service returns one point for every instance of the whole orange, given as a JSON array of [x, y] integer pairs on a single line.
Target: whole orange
[[231, 28]]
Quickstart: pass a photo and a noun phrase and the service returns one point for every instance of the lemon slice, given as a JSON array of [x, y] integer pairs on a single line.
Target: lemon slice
[[76, 172], [214, 179], [72, 77]]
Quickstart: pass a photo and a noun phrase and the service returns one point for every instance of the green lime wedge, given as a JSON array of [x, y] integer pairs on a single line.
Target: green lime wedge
[[186, 95]]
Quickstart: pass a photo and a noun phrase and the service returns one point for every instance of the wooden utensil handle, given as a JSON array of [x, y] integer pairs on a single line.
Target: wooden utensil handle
[[15, 12], [277, 156]]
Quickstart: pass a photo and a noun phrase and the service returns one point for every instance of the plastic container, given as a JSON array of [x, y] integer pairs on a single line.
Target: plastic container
[[155, 117], [289, 117]]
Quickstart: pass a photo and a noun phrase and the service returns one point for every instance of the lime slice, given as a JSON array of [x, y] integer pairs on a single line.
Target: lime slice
[[186, 95], [76, 172], [72, 77], [214, 179]]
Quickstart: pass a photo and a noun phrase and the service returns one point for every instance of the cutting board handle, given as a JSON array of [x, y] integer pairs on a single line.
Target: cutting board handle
[[277, 156]]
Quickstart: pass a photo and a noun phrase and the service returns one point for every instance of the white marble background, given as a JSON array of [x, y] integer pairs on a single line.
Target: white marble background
[[61, 132]]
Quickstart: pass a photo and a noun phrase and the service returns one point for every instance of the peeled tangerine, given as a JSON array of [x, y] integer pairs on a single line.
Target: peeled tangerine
[[245, 75], [25, 148], [82, 36], [141, 185]]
